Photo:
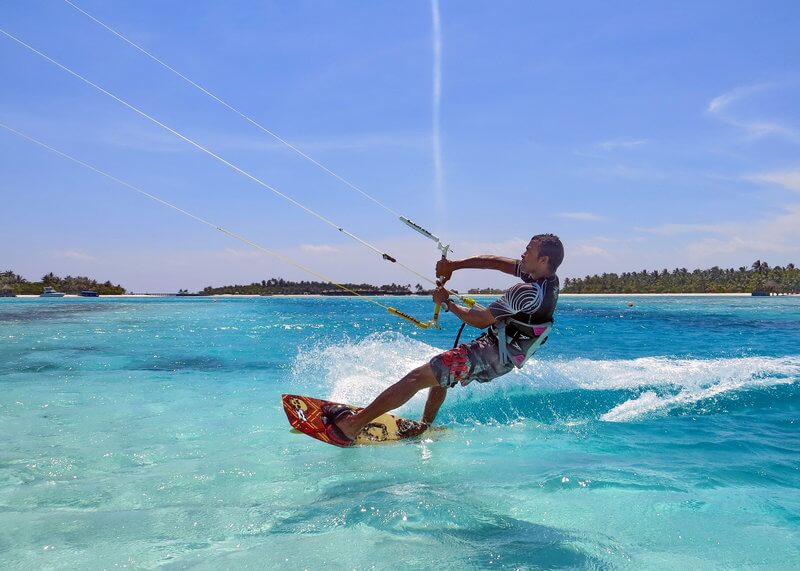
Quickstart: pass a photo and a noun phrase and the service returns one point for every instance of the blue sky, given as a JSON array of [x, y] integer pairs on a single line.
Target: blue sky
[[647, 135]]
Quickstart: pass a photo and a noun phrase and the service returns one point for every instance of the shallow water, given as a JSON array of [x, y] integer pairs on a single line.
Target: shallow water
[[149, 432]]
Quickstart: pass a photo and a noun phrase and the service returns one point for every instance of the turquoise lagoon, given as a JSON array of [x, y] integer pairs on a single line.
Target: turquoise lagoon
[[144, 433]]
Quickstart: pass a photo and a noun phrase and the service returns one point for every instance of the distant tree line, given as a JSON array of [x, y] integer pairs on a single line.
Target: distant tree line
[[279, 286], [759, 276], [14, 283], [486, 291]]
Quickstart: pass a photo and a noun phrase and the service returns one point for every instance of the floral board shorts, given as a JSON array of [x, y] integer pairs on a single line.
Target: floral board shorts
[[478, 360]]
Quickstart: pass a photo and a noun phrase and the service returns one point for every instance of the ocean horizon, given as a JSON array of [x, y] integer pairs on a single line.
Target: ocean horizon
[[651, 431]]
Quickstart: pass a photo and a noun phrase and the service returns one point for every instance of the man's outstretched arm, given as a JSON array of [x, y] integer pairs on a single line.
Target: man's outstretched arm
[[445, 268]]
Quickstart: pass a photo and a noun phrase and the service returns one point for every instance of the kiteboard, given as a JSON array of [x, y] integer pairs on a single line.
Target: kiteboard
[[305, 415]]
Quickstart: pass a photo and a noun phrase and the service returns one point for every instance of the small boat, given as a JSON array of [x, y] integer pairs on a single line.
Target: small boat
[[50, 292], [7, 293], [89, 293]]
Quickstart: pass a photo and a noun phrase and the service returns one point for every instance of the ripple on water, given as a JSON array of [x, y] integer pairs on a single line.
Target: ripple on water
[[49, 312]]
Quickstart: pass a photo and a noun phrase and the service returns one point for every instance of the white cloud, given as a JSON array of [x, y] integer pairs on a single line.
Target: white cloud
[[633, 173], [318, 248], [715, 246], [677, 229], [587, 251], [511, 248], [777, 234], [745, 108], [621, 144], [717, 104], [73, 255], [237, 254], [758, 129], [588, 216], [721, 102], [787, 179], [602, 149]]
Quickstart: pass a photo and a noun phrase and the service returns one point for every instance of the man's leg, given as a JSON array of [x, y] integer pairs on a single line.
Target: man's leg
[[436, 396], [396, 395]]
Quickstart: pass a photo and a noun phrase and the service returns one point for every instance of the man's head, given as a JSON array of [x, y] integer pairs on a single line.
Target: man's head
[[544, 254]]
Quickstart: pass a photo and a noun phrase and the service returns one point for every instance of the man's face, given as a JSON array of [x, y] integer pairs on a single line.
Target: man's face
[[532, 262]]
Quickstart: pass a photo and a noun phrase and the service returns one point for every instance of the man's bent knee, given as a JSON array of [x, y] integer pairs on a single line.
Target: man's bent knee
[[422, 377]]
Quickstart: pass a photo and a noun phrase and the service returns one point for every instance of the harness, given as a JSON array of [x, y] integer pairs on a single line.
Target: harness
[[517, 340]]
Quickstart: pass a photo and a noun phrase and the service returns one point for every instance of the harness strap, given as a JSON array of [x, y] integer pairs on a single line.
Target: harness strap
[[540, 331]]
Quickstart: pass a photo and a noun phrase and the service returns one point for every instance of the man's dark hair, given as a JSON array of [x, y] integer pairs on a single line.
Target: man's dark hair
[[550, 245]]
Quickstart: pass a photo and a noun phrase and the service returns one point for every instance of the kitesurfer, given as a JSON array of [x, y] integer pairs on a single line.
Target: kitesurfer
[[518, 323]]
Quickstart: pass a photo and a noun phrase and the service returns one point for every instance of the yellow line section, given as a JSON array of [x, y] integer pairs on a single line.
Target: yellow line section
[[407, 317]]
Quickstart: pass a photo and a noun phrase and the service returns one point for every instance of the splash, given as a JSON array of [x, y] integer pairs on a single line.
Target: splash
[[702, 380], [356, 372]]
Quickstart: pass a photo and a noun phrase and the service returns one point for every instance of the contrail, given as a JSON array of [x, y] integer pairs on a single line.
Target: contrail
[[437, 98]]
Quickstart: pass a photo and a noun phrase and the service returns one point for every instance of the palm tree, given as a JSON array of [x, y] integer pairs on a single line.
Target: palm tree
[[771, 285]]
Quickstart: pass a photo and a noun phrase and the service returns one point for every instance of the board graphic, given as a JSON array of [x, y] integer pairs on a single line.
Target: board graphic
[[305, 415]]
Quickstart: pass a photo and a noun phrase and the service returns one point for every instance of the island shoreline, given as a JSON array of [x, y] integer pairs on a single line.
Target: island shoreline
[[279, 295]]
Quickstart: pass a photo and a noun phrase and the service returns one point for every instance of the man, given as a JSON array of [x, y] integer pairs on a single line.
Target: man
[[520, 321]]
